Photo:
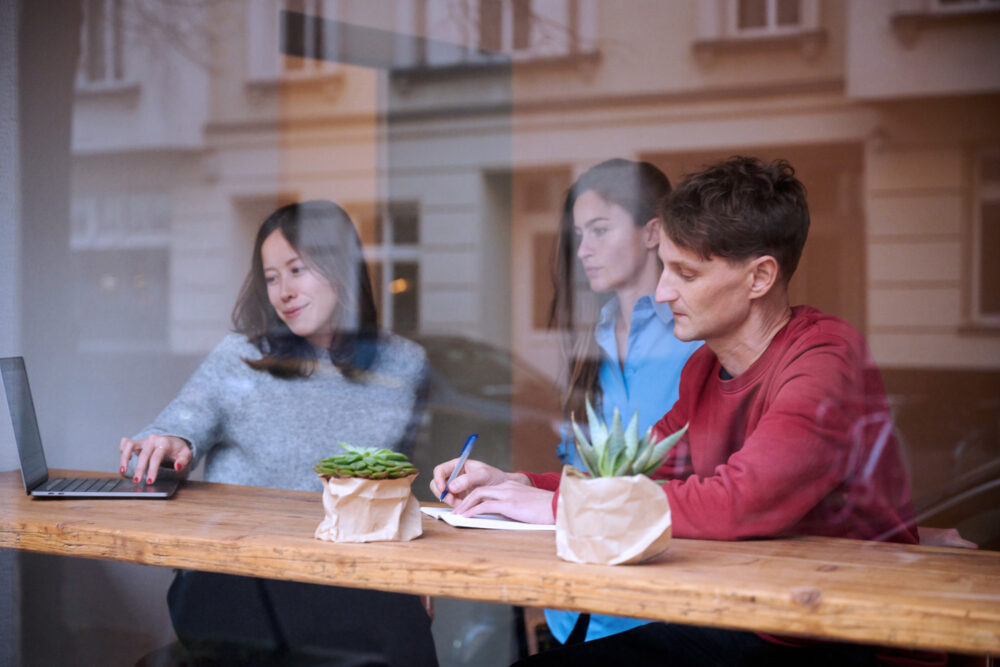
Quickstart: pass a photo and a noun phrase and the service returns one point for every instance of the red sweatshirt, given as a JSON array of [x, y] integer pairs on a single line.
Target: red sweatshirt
[[801, 443]]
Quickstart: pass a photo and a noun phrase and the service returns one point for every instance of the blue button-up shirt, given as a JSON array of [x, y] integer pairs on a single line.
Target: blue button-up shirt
[[648, 385]]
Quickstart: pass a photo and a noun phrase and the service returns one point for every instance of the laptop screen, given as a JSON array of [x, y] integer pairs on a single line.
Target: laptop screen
[[22, 416]]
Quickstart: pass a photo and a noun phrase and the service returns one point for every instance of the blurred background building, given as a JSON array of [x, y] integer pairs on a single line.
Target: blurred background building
[[145, 140]]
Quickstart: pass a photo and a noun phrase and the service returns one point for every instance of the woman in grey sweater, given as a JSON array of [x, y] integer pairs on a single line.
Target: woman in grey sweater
[[307, 368]]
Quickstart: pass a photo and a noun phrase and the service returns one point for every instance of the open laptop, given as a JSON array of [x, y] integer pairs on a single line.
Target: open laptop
[[34, 470]]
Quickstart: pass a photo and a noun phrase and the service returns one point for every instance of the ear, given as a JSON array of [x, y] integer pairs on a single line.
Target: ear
[[764, 272], [651, 233]]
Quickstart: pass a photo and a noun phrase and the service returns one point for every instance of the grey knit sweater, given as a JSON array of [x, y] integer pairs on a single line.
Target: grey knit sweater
[[252, 428]]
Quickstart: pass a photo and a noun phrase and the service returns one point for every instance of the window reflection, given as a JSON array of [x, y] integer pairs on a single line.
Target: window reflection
[[450, 130]]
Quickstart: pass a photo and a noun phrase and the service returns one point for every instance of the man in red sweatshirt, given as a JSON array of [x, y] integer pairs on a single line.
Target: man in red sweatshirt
[[790, 431]]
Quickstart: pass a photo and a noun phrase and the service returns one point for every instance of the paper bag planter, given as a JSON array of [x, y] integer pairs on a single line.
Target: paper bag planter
[[367, 496], [617, 515]]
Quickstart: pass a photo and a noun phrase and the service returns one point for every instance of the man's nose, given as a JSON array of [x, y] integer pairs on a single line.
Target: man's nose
[[665, 291]]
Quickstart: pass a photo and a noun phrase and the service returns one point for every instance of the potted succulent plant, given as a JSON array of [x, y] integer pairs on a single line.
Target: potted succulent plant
[[612, 513], [367, 496]]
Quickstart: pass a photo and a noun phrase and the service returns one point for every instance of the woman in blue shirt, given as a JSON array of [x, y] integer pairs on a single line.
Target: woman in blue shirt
[[617, 341]]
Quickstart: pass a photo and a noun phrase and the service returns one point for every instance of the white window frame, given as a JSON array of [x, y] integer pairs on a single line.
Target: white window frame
[[983, 193], [265, 62], [388, 253], [559, 38], [457, 22], [808, 20], [112, 34], [109, 221]]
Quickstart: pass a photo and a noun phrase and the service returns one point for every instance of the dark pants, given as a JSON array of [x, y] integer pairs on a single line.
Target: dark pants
[[226, 619], [684, 645]]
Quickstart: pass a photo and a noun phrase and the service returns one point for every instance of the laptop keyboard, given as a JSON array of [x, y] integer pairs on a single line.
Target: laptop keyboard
[[99, 484]]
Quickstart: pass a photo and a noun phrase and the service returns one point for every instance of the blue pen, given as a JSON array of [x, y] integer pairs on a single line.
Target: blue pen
[[466, 449]]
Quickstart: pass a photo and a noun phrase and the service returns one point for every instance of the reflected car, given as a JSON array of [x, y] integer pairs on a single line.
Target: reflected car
[[476, 387]]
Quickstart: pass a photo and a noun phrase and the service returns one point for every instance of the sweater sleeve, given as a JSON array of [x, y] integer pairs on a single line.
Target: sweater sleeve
[[797, 455], [196, 413]]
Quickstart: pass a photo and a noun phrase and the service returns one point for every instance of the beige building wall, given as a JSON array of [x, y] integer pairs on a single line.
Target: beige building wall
[[915, 48]]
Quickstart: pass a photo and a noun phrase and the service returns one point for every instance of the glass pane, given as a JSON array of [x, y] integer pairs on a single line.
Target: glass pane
[[95, 40], [405, 219], [751, 14], [543, 251], [293, 36], [522, 24], [789, 12], [989, 273], [490, 24], [317, 24], [117, 34], [404, 292], [120, 295]]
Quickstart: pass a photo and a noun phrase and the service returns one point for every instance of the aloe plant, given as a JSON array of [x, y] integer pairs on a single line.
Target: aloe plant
[[619, 451]]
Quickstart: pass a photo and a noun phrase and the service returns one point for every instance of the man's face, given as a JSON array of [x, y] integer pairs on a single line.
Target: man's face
[[710, 298]]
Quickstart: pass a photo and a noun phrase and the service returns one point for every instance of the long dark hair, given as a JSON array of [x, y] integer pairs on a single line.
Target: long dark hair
[[325, 238], [639, 188]]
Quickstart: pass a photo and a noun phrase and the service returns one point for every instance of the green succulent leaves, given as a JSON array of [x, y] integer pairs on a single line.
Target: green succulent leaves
[[367, 462], [619, 451]]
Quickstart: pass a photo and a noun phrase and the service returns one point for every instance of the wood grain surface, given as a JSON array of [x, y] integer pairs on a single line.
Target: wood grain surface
[[920, 597]]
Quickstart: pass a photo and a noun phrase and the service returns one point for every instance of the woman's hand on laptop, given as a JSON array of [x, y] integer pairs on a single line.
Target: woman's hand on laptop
[[153, 452]]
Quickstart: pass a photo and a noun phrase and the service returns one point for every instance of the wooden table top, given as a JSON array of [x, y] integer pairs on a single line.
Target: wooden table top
[[919, 597]]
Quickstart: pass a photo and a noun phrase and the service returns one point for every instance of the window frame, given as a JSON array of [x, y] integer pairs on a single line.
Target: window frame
[[981, 193], [387, 253], [265, 61], [808, 10], [114, 46]]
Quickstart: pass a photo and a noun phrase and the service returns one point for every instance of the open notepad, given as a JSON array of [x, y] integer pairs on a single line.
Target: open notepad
[[494, 521]]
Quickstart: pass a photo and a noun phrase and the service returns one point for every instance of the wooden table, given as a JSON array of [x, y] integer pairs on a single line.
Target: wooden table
[[921, 597]]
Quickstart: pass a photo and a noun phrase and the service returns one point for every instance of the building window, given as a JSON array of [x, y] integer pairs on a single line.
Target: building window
[[767, 17], [986, 239], [133, 220], [120, 299], [505, 25], [496, 31], [391, 241], [102, 62], [121, 262], [292, 39]]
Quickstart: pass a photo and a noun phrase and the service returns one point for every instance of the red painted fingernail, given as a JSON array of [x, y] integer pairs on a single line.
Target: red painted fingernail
[[122, 470], [149, 480], [177, 466], [135, 480]]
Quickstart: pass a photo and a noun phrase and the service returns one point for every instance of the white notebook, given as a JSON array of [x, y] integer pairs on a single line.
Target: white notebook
[[494, 521]]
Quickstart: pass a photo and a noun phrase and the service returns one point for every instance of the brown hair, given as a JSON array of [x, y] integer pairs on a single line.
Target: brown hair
[[740, 209], [639, 188], [325, 238]]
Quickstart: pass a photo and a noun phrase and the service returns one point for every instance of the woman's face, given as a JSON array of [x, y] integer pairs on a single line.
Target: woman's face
[[301, 296], [615, 253]]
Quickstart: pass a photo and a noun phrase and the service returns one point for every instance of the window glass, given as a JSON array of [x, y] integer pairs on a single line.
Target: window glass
[[989, 279], [153, 137], [752, 14]]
